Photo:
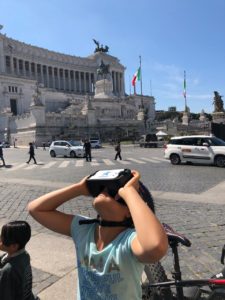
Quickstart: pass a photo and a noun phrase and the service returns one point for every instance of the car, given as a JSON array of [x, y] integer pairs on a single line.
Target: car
[[68, 149], [200, 149], [5, 144], [95, 144]]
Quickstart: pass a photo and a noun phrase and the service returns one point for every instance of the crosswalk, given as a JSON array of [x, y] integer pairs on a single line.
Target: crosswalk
[[79, 163]]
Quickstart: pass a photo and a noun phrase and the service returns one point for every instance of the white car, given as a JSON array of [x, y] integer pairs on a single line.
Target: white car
[[68, 149], [96, 144], [195, 149]]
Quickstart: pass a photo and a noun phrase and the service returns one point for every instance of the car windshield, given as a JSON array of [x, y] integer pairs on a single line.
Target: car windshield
[[215, 142], [75, 143]]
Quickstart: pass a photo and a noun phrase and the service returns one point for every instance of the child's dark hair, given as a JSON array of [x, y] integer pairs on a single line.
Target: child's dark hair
[[16, 232]]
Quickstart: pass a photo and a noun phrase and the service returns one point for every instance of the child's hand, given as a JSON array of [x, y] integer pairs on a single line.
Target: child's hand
[[132, 183], [83, 186]]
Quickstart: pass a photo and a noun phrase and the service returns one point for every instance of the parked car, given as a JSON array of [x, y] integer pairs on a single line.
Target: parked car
[[196, 149], [149, 141], [96, 144], [5, 145], [67, 149]]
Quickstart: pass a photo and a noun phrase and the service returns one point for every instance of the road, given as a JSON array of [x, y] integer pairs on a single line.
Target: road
[[188, 197]]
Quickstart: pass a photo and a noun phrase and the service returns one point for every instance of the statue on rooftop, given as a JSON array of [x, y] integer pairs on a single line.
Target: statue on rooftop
[[218, 102], [100, 48]]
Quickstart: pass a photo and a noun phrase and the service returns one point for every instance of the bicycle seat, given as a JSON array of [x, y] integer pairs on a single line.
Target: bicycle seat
[[174, 236]]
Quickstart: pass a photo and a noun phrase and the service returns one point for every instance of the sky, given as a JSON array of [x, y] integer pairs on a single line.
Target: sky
[[171, 36]]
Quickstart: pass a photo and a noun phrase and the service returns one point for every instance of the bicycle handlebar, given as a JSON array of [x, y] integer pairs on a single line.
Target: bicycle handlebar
[[189, 283]]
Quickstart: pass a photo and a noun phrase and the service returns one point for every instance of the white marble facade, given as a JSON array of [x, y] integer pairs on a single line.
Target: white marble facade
[[45, 95]]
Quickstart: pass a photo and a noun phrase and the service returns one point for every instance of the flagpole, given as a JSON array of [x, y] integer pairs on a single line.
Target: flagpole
[[130, 85], [185, 94], [141, 83]]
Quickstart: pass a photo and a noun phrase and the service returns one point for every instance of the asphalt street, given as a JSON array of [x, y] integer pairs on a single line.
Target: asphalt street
[[188, 197]]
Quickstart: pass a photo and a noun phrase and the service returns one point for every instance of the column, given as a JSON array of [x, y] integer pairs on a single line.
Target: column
[[47, 77], [85, 83], [42, 79], [79, 75], [89, 82], [74, 81]]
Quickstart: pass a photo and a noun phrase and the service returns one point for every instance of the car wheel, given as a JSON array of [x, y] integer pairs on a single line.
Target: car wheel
[[220, 161], [72, 154], [175, 159], [52, 153]]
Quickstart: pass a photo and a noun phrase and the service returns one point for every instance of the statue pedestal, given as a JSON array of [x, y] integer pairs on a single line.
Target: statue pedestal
[[218, 117], [185, 118], [104, 89]]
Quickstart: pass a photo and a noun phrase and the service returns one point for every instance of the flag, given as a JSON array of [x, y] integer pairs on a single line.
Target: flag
[[184, 92], [137, 76]]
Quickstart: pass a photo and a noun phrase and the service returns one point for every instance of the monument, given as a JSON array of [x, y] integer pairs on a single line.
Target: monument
[[103, 84], [218, 114]]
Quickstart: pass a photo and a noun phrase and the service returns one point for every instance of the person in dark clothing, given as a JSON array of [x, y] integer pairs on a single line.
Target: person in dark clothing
[[87, 149], [118, 151], [31, 152], [1, 155], [15, 268]]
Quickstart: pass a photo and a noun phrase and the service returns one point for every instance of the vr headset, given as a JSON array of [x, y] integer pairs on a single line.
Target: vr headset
[[111, 180]]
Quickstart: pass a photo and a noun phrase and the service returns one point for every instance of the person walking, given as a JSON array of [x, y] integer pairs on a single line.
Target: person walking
[[32, 155], [87, 149], [1, 155], [118, 151]]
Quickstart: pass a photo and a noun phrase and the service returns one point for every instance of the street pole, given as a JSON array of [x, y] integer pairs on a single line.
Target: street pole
[[142, 103]]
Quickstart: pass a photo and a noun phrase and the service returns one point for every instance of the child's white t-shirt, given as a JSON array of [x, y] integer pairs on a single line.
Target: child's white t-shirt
[[113, 273]]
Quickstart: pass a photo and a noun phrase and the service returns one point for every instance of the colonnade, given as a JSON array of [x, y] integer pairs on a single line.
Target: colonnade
[[59, 78]]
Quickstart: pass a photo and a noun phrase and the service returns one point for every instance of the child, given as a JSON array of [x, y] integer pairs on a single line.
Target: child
[[15, 268], [110, 254]]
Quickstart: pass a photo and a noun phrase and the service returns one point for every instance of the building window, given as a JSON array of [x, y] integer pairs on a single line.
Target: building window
[[20, 64], [27, 66], [15, 63], [32, 68], [7, 61], [13, 105], [44, 70], [38, 68], [12, 89]]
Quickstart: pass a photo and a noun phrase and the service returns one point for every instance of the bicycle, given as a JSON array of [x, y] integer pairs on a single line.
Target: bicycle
[[158, 287]]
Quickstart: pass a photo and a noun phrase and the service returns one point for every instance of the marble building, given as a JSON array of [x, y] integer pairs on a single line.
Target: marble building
[[46, 95]]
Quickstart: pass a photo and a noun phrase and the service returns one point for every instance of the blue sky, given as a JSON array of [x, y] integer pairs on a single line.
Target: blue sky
[[170, 35]]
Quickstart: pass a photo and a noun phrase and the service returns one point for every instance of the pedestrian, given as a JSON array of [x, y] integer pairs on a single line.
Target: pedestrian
[[87, 149], [15, 268], [43, 144], [118, 151], [32, 154], [1, 155], [113, 248]]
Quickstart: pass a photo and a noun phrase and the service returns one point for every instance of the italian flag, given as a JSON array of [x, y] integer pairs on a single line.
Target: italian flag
[[137, 76]]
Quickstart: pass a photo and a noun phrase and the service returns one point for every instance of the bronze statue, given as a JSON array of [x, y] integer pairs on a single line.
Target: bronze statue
[[218, 102], [103, 70], [100, 49]]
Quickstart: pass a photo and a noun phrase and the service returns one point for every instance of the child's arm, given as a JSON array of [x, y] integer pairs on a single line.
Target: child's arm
[[44, 208], [151, 242]]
